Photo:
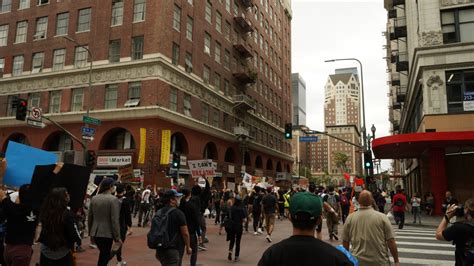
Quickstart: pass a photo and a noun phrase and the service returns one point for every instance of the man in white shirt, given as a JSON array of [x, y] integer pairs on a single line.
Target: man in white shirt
[[145, 205]]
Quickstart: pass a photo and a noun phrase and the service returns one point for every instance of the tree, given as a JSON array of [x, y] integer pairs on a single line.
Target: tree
[[340, 159]]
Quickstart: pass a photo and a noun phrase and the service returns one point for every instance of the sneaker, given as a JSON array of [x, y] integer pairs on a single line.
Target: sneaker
[[236, 259], [121, 263], [259, 231], [229, 257], [269, 239], [335, 236], [255, 233], [93, 246], [206, 240], [202, 248]]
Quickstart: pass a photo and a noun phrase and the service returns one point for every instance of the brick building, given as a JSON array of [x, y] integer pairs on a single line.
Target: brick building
[[215, 73]]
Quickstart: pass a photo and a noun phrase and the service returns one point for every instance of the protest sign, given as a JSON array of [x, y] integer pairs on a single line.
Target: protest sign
[[125, 172], [21, 162], [202, 168]]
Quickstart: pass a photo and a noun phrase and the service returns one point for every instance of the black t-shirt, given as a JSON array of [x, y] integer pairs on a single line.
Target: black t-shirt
[[238, 214], [459, 233], [257, 204], [269, 203], [21, 223], [191, 213], [176, 220], [303, 251]]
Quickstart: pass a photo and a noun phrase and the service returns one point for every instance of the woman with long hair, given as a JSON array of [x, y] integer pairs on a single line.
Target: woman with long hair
[[58, 230]]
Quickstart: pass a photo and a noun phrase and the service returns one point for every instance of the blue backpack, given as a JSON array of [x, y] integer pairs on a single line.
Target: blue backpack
[[348, 255]]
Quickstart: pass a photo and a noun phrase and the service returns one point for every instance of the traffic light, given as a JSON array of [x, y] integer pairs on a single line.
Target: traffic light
[[368, 163], [176, 160], [90, 158], [288, 131], [21, 109]]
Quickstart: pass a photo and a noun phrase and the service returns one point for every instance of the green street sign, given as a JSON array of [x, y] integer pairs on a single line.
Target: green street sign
[[90, 120]]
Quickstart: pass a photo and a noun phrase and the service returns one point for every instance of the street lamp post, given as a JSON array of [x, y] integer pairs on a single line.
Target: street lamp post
[[364, 138], [89, 88]]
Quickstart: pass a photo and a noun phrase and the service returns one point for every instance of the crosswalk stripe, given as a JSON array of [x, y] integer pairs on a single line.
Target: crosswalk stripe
[[425, 261], [414, 230], [424, 244], [415, 234], [423, 251], [418, 237]]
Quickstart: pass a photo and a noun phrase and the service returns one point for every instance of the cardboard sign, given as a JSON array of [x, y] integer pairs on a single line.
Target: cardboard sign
[[202, 168], [21, 163], [91, 187], [125, 172]]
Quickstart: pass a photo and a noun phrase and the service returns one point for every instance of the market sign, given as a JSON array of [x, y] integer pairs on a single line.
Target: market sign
[[114, 160], [202, 168]]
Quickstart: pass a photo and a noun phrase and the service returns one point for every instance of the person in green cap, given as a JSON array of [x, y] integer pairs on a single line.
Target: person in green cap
[[302, 248]]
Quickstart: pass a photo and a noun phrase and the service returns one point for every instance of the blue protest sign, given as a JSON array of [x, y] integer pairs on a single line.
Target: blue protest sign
[[21, 162]]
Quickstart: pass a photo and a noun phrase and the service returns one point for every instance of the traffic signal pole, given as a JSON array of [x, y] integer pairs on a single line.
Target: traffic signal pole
[[67, 132]]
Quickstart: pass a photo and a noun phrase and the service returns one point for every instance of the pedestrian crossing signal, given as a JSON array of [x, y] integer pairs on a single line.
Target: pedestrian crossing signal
[[368, 163], [288, 131], [176, 160]]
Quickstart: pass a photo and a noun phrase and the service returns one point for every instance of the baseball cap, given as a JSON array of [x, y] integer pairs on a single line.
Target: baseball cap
[[172, 193], [306, 202], [108, 182]]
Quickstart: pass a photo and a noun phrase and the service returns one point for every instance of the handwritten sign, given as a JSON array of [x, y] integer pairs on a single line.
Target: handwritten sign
[[125, 172], [202, 167]]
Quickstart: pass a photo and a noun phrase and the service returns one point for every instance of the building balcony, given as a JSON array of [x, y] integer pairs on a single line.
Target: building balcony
[[401, 94], [392, 13], [400, 32], [243, 102], [244, 23], [247, 3], [398, 2], [395, 79], [397, 106], [241, 47], [245, 75], [393, 58], [401, 66]]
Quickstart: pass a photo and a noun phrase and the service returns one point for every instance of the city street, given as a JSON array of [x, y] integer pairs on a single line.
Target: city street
[[416, 246]]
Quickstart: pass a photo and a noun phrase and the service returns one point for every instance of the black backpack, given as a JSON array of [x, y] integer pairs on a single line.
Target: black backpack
[[159, 237]]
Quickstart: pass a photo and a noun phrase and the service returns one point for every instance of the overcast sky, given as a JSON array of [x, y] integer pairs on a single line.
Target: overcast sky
[[329, 29]]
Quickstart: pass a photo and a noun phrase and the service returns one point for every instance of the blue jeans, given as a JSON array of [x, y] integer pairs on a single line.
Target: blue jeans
[[416, 213]]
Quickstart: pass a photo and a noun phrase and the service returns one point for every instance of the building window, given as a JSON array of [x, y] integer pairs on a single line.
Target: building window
[[110, 96], [459, 84], [134, 90], [208, 11], [59, 56], [5, 6], [205, 74], [117, 12], [77, 99], [226, 87], [139, 8], [189, 29], [227, 5], [42, 2], [3, 35], [218, 21], [34, 99], [190, 2], [137, 48], [54, 101], [84, 20], [114, 51], [21, 29], [37, 62], [215, 118], [80, 56], [205, 113], [18, 65], [227, 28], [188, 62], [217, 81], [458, 25], [177, 18], [187, 105], [41, 28], [24, 4], [10, 110], [217, 52], [175, 54], [207, 43], [173, 99], [2, 66], [62, 23], [227, 59]]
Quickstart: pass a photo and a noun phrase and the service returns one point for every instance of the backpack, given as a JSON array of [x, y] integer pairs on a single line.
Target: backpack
[[399, 202], [469, 246], [344, 200], [332, 200], [159, 237]]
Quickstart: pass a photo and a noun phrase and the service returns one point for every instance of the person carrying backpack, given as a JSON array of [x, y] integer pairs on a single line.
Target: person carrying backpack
[[332, 217], [345, 205], [169, 232], [460, 233], [399, 206]]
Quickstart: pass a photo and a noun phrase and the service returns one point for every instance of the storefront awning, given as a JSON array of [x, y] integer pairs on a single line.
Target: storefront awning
[[413, 145]]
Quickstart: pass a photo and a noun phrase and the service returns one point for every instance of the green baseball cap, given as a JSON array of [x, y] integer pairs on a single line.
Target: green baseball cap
[[306, 202]]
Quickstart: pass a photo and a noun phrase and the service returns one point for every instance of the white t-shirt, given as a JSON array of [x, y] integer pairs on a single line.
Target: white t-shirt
[[146, 196], [415, 202]]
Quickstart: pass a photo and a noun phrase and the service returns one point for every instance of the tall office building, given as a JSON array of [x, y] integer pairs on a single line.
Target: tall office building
[[430, 47], [216, 74], [298, 86]]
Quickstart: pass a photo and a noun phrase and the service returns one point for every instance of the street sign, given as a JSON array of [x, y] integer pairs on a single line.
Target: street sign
[[35, 114], [89, 138], [309, 139], [34, 123], [468, 103], [88, 131], [91, 120]]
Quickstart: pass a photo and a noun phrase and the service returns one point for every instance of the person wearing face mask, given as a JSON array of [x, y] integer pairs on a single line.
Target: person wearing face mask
[[59, 230], [449, 200], [461, 233], [103, 220], [191, 213]]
